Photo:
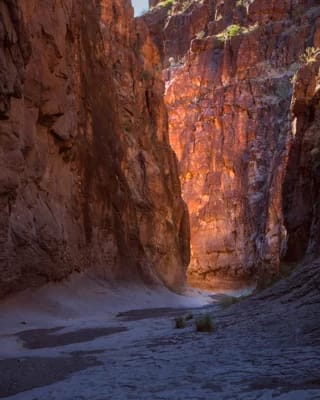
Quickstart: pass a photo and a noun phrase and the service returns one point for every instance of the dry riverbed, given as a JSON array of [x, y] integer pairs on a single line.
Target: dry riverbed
[[105, 343]]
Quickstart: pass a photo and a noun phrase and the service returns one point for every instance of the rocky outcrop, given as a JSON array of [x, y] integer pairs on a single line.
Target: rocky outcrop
[[174, 24], [228, 96], [301, 190], [88, 179]]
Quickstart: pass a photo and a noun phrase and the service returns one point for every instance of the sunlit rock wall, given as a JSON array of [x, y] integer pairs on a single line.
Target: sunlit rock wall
[[229, 87]]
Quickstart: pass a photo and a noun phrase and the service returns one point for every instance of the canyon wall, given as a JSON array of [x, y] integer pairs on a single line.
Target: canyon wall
[[88, 179], [301, 194], [229, 68]]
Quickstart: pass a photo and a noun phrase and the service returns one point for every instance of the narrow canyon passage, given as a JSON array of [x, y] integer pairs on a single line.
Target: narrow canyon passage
[[159, 199]]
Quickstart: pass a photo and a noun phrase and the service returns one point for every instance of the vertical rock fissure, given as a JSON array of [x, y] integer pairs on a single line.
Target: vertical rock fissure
[[301, 183]]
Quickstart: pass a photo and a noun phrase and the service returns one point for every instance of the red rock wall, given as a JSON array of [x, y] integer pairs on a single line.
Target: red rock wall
[[301, 189], [153, 3], [230, 126], [88, 179]]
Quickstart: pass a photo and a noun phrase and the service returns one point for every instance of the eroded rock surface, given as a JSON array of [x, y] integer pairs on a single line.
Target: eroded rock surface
[[265, 347], [228, 95], [301, 185], [88, 179]]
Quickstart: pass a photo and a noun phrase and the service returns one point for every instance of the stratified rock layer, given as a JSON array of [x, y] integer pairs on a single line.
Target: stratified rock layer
[[88, 179], [228, 96]]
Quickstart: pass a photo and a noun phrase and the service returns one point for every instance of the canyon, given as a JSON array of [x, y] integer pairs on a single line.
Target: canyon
[[229, 67], [89, 179], [146, 165]]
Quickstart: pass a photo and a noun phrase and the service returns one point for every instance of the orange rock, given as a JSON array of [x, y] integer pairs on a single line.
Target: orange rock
[[229, 124]]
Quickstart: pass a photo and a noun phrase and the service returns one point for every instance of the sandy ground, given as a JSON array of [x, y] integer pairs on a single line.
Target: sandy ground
[[92, 341]]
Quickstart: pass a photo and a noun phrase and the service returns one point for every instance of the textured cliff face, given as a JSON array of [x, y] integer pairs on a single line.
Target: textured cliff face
[[174, 24], [88, 179], [301, 185], [230, 126]]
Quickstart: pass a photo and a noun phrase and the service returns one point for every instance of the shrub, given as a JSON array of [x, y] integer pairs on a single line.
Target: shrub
[[311, 54], [165, 3], [204, 323], [240, 3], [233, 30], [180, 323], [230, 32]]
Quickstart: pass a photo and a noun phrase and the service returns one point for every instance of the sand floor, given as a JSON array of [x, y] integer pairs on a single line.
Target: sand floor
[[121, 344]]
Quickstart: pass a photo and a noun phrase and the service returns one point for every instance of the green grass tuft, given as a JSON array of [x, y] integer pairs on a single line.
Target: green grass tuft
[[230, 32], [180, 323], [204, 323], [165, 3]]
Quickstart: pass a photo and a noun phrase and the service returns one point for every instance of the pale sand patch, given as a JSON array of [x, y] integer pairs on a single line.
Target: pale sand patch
[[82, 302]]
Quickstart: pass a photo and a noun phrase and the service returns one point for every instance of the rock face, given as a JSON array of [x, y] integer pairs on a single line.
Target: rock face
[[302, 182], [88, 179], [228, 96], [153, 3], [174, 24]]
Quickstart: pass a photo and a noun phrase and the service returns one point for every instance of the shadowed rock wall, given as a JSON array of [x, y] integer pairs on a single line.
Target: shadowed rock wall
[[88, 179], [301, 188]]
